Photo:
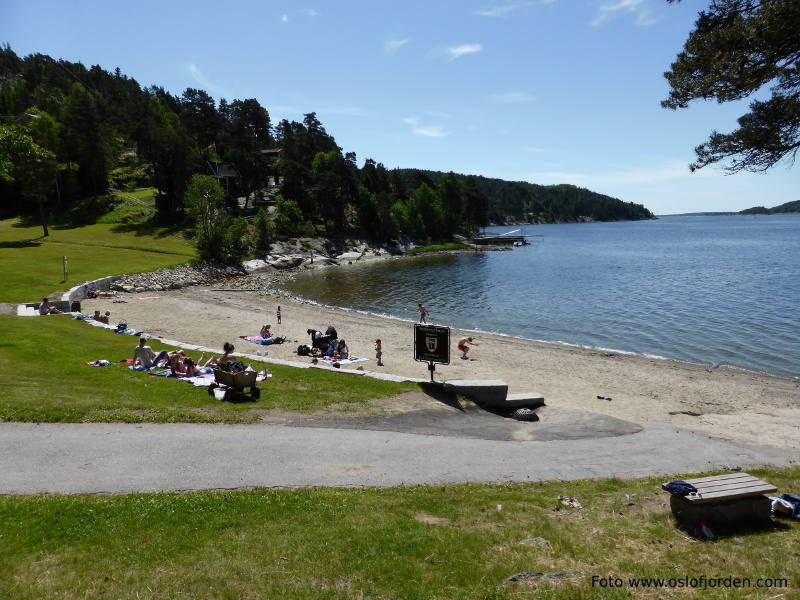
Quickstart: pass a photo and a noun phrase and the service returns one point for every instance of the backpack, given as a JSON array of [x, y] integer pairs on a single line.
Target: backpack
[[303, 350]]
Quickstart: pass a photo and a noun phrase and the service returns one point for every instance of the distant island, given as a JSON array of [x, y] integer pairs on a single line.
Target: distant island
[[786, 208]]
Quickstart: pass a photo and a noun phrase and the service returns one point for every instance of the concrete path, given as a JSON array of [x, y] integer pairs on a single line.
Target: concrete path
[[118, 458]]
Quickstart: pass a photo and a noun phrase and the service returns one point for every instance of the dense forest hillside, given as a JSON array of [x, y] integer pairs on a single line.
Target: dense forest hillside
[[523, 202], [71, 133]]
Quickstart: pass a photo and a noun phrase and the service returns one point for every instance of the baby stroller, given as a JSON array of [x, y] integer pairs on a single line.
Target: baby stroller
[[321, 341]]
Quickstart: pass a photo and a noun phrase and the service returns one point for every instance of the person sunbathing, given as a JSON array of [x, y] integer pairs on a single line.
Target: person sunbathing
[[188, 368], [45, 308], [342, 351], [144, 356], [227, 354], [175, 360]]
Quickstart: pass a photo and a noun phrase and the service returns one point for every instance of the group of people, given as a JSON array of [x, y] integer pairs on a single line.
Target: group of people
[[182, 365], [104, 318]]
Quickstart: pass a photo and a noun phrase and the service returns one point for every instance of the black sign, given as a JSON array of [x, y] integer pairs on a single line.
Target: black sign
[[432, 344]]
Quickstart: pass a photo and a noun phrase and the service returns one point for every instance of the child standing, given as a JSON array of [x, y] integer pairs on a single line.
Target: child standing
[[278, 315], [378, 352], [423, 314]]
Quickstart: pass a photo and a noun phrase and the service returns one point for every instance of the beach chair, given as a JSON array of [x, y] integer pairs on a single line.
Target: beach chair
[[226, 382]]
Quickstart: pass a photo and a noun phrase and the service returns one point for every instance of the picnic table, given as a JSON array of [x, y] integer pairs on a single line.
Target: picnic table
[[723, 500]]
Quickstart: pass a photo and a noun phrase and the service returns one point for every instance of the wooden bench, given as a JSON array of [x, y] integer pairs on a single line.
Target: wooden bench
[[723, 500]]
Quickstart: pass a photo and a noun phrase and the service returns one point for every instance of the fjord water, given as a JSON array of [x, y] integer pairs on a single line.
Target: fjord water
[[704, 289]]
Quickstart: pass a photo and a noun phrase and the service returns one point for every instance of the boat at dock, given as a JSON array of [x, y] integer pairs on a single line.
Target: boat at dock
[[503, 239]]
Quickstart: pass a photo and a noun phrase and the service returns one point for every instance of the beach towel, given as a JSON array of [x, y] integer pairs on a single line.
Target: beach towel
[[204, 380], [165, 373], [257, 339], [342, 361]]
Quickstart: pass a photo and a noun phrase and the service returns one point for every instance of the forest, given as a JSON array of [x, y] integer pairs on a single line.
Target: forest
[[71, 135]]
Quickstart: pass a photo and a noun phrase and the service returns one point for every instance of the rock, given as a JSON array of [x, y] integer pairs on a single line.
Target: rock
[[251, 266], [349, 256], [287, 262], [534, 541], [139, 289]]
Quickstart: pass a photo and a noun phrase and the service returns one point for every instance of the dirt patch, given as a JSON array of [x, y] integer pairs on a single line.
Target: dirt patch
[[406, 402], [431, 520]]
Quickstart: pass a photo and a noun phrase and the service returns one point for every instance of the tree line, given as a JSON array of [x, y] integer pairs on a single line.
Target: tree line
[[69, 133]]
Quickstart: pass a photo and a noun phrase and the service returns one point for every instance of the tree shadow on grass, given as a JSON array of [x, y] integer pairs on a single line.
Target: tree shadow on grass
[[21, 244], [150, 229]]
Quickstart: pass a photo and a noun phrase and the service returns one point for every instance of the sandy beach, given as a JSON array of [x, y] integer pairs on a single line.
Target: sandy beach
[[729, 404]]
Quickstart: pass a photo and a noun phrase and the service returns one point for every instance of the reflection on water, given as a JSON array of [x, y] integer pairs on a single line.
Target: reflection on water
[[702, 289]]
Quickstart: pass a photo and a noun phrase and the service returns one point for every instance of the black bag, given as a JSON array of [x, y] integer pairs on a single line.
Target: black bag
[[233, 366], [303, 350]]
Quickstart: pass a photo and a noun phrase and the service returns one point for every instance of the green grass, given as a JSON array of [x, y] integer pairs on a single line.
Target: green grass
[[42, 361], [137, 206], [31, 266], [439, 248], [448, 542]]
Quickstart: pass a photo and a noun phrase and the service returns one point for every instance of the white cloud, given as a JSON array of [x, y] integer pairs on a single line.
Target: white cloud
[[643, 13], [503, 10], [205, 82], [391, 46], [511, 98], [497, 11], [425, 130], [284, 18], [310, 12], [462, 50]]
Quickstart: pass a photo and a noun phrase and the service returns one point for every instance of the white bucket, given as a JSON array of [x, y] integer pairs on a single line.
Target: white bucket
[[219, 393]]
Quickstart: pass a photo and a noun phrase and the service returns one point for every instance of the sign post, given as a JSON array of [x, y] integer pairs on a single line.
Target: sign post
[[432, 345], [65, 268]]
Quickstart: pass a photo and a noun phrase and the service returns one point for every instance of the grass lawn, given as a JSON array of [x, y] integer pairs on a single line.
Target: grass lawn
[[448, 542], [42, 362], [31, 266], [439, 248]]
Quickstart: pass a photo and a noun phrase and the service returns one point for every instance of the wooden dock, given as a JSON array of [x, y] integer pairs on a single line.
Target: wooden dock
[[500, 240]]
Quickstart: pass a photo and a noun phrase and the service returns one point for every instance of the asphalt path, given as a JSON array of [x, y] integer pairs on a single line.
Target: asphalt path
[[121, 458]]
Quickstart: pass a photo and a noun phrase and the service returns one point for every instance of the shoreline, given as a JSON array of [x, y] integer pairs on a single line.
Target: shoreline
[[281, 292], [741, 405]]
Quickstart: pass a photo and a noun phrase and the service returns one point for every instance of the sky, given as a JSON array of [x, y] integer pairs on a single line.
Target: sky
[[544, 91]]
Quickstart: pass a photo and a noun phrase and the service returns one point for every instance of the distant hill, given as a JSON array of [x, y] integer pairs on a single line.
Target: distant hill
[[788, 207], [523, 202], [702, 214]]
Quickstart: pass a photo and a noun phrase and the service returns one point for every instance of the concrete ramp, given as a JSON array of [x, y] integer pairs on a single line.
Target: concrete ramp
[[482, 391], [493, 394]]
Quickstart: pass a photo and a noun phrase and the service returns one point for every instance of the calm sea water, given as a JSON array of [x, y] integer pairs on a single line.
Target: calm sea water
[[715, 290]]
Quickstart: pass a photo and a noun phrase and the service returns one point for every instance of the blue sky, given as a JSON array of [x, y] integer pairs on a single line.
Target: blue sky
[[546, 91]]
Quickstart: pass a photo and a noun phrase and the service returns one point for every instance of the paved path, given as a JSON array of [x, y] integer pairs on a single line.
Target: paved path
[[116, 458]]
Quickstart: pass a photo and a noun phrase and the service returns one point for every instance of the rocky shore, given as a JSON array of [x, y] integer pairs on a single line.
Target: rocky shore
[[304, 253]]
